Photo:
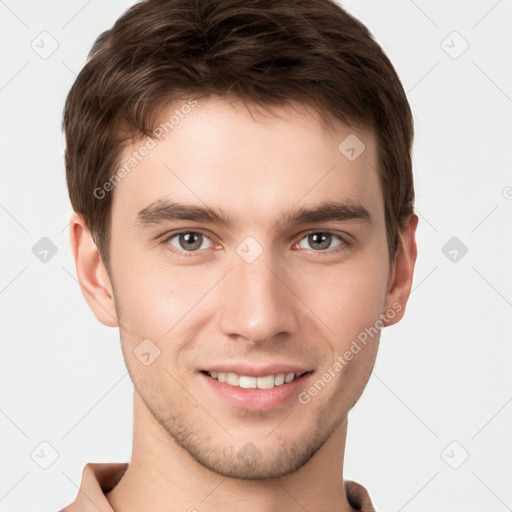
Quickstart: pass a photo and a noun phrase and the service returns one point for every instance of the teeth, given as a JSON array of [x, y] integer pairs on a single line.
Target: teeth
[[266, 382], [280, 379], [232, 379], [246, 382]]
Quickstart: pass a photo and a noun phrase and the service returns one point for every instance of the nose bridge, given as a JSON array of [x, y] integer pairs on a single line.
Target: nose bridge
[[257, 305]]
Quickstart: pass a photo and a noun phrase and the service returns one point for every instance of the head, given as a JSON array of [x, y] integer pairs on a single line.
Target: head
[[241, 177]]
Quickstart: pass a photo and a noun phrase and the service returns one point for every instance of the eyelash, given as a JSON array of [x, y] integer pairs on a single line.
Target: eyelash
[[343, 246]]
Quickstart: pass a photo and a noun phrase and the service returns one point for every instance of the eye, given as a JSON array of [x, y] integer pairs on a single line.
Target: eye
[[189, 241], [320, 241]]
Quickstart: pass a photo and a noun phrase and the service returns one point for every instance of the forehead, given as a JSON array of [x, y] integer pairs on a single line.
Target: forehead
[[252, 163]]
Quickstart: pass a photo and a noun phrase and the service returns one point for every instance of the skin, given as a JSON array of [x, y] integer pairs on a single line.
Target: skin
[[292, 304]]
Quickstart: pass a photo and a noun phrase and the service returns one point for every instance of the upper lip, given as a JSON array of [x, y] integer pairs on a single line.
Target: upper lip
[[258, 371]]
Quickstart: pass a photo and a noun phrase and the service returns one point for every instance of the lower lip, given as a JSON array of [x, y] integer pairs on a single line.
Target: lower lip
[[252, 399]]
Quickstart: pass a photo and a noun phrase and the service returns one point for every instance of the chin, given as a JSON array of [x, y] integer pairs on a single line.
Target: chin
[[251, 463]]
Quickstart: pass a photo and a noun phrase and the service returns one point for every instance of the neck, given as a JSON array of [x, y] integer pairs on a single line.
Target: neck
[[162, 476]]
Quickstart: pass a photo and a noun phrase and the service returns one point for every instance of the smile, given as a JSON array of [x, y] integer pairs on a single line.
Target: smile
[[248, 382]]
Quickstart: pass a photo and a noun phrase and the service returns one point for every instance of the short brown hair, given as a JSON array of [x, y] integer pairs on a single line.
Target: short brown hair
[[264, 52]]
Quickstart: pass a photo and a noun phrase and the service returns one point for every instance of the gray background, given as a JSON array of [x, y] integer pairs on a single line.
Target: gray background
[[432, 431]]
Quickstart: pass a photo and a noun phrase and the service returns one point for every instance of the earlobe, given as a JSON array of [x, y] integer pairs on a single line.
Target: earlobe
[[403, 271], [91, 273]]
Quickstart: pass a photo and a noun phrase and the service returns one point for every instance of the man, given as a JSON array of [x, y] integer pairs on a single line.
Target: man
[[241, 176]]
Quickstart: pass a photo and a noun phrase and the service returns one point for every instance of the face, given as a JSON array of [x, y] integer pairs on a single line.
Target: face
[[248, 255]]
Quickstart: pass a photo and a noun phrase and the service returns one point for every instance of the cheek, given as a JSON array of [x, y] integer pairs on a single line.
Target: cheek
[[168, 305], [348, 297], [151, 293]]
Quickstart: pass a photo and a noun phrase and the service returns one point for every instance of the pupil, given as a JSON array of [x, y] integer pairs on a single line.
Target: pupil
[[322, 239], [191, 241]]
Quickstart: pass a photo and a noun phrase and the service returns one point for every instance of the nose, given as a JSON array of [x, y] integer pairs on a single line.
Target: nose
[[259, 304]]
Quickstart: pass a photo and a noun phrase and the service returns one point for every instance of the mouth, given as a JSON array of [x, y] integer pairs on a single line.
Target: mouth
[[252, 382], [253, 389]]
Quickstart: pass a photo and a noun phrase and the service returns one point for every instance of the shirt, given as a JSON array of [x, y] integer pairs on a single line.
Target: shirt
[[100, 478]]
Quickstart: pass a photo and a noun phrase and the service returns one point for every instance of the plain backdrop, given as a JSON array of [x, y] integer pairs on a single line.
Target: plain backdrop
[[432, 430]]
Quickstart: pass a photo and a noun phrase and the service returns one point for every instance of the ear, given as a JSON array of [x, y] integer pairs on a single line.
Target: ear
[[91, 273], [400, 283]]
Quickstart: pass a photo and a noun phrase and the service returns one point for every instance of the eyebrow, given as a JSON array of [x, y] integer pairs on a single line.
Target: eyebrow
[[164, 210]]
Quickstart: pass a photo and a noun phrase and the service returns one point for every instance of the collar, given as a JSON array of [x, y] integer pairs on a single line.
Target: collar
[[100, 478]]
